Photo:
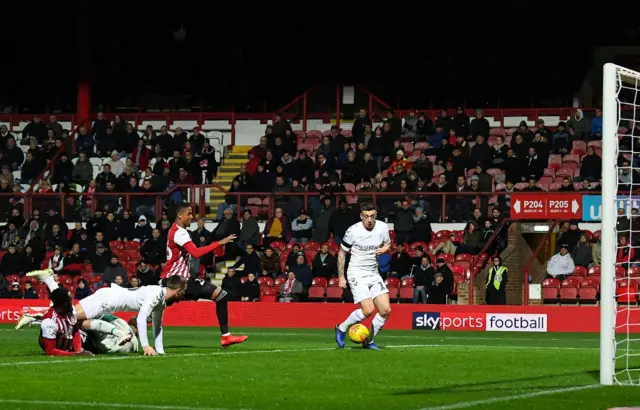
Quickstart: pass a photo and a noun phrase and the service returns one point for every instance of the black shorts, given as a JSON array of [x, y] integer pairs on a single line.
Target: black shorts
[[196, 289]]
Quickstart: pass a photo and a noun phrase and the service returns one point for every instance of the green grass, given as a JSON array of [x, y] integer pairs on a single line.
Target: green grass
[[302, 369]]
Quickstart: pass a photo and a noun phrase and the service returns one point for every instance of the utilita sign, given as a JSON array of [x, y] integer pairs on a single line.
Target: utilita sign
[[546, 206]]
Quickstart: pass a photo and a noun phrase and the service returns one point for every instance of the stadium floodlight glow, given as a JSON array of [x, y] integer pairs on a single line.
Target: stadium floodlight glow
[[620, 103]]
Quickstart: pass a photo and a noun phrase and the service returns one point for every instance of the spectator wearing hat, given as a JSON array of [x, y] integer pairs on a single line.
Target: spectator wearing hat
[[14, 291], [438, 290], [142, 231], [301, 228], [561, 264], [399, 160]]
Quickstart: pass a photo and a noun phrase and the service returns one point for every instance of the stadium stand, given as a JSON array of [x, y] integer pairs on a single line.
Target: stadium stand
[[120, 176]]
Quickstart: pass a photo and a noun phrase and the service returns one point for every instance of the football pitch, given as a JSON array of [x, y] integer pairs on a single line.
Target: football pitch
[[302, 369]]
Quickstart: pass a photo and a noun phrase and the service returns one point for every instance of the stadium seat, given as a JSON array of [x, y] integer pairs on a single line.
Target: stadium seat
[[406, 291], [334, 294], [131, 245], [555, 161], [594, 270], [278, 245], [115, 245], [265, 281], [318, 282], [279, 281], [464, 257], [589, 291], [267, 294], [550, 294], [579, 148], [627, 294], [459, 270], [551, 282], [568, 292], [415, 246], [392, 282], [444, 233], [244, 279], [580, 271], [333, 282], [312, 246], [316, 293]]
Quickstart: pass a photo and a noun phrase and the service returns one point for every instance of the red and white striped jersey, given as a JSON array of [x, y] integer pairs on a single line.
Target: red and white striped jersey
[[58, 327], [178, 259]]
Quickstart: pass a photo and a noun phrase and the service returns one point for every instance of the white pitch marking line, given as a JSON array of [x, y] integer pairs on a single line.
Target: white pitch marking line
[[245, 352], [467, 404], [115, 405]]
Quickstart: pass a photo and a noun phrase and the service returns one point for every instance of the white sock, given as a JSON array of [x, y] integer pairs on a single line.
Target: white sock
[[51, 284], [104, 327], [377, 324], [355, 317]]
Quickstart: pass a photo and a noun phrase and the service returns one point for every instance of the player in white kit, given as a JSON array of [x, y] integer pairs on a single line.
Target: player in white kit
[[365, 241], [147, 301]]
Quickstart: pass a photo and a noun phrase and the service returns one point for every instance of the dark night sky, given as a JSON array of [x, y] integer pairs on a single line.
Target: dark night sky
[[442, 54]]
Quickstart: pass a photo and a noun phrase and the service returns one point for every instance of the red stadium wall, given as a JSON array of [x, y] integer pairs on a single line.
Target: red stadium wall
[[325, 316]]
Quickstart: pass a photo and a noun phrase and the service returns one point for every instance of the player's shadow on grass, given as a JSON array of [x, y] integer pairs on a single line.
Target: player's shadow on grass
[[490, 385]]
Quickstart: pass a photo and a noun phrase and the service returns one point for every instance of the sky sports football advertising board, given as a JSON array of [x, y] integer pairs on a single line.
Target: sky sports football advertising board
[[489, 322]]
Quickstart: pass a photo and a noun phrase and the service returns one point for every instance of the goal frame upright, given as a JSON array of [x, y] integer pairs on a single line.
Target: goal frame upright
[[610, 118]]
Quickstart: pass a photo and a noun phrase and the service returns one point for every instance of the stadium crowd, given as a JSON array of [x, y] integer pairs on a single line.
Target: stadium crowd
[[409, 161]]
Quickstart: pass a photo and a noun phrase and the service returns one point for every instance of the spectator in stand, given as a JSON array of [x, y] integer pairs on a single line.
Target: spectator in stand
[[596, 126], [113, 270], [360, 124], [291, 290], [30, 292], [446, 246], [324, 264], [9, 236], [410, 126], [56, 238], [14, 292], [567, 185], [591, 167], [56, 261], [561, 264], [626, 252], [249, 262], [582, 254], [422, 278], [36, 129], [534, 165], [28, 261], [85, 142], [250, 291], [82, 171], [230, 200], [226, 227], [322, 220], [580, 125], [341, 220], [269, 263], [134, 283], [11, 262], [561, 140], [83, 290], [277, 228], [471, 241], [232, 285], [479, 125], [533, 185], [401, 262], [146, 275], [142, 231], [250, 231], [378, 148], [12, 155], [301, 228], [424, 128], [421, 226], [31, 169], [404, 224], [302, 270]]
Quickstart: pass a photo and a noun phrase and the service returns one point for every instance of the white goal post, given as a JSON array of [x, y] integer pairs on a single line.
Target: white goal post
[[620, 101]]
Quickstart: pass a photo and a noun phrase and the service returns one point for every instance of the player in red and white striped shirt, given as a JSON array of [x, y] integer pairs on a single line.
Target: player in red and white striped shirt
[[59, 333], [180, 249]]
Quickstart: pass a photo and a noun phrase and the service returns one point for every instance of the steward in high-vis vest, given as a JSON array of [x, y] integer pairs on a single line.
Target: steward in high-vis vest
[[497, 283]]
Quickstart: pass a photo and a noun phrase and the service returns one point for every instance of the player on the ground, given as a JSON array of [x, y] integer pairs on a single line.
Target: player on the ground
[[180, 249], [365, 241], [147, 301], [106, 343], [59, 334]]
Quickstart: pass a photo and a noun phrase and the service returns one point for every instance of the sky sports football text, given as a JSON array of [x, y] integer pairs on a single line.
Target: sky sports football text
[[490, 322]]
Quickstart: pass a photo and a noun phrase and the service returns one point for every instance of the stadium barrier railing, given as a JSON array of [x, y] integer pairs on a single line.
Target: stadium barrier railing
[[532, 258], [477, 264]]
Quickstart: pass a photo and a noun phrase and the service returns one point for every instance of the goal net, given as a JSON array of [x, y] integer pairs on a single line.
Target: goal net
[[620, 275]]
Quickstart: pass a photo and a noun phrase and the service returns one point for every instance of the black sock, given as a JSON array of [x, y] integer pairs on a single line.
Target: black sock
[[222, 311]]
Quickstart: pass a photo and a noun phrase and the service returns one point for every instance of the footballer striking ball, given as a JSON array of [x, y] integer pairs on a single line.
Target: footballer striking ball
[[358, 333]]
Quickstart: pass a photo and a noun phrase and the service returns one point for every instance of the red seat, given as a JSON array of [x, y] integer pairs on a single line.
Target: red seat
[[594, 270], [620, 272], [571, 281], [551, 282], [580, 270], [392, 282], [633, 272], [407, 283], [334, 293], [627, 294], [550, 294], [590, 283], [131, 245], [265, 281], [319, 282], [279, 245], [459, 270], [406, 294], [316, 293], [568, 294], [333, 282], [443, 234], [279, 281], [448, 258], [596, 234], [415, 245], [310, 255], [589, 291], [464, 257], [464, 264], [244, 279], [115, 245], [312, 246]]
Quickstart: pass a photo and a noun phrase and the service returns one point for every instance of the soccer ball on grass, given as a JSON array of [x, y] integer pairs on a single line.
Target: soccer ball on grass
[[358, 333]]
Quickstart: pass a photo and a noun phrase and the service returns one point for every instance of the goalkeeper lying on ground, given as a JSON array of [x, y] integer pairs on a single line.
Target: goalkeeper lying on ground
[[99, 336]]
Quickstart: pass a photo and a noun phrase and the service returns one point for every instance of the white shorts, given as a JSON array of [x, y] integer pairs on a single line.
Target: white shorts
[[98, 304], [366, 287]]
